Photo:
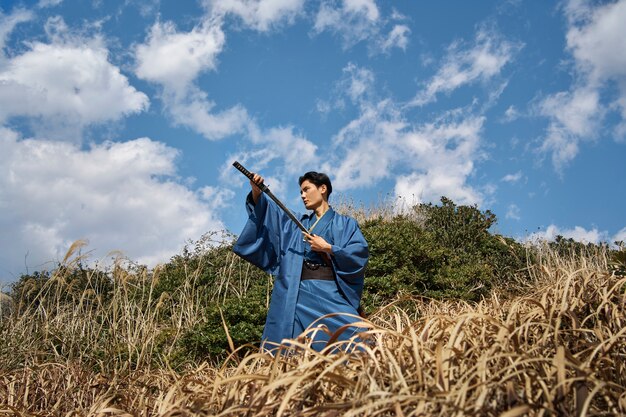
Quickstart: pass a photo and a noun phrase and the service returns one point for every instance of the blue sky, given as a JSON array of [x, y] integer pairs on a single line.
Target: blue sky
[[119, 119]]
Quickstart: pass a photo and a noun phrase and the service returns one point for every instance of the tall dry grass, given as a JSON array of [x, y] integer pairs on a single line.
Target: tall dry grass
[[56, 324], [386, 208], [558, 350]]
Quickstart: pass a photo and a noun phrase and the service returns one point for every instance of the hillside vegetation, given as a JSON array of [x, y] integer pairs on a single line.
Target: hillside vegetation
[[461, 322]]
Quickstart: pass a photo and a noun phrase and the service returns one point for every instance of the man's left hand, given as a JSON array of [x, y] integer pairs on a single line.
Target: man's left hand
[[318, 244]]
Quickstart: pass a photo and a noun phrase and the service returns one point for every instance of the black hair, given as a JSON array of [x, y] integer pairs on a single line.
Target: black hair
[[318, 179]]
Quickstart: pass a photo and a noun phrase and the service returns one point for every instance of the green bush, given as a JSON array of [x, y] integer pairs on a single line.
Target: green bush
[[402, 258], [460, 228], [449, 253], [65, 284], [244, 319]]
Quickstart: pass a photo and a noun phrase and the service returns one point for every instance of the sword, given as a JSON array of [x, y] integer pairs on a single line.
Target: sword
[[267, 191]]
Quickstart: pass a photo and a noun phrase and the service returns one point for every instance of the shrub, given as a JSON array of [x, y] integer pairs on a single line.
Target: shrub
[[244, 318], [443, 251]]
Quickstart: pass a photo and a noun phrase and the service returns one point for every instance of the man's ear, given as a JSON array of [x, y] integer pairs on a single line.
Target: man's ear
[[324, 190]]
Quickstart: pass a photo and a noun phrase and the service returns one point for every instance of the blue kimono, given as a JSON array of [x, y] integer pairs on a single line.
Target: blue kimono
[[272, 242]]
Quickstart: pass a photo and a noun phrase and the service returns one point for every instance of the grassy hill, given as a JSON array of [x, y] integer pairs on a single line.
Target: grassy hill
[[462, 322]]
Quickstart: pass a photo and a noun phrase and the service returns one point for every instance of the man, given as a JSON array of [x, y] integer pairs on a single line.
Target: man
[[317, 273]]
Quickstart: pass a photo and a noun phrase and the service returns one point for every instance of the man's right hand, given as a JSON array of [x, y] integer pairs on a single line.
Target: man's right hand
[[256, 191]]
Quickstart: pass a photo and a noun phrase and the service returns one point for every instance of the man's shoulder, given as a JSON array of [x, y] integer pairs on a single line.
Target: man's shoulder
[[346, 220]]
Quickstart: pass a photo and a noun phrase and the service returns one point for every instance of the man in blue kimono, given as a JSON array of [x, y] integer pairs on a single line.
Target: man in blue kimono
[[317, 273]]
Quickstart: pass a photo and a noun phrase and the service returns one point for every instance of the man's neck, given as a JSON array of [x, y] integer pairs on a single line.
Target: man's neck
[[321, 209]]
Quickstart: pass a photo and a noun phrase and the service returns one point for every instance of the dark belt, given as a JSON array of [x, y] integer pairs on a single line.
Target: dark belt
[[316, 271]]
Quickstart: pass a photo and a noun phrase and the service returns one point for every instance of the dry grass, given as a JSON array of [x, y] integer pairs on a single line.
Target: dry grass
[[386, 208], [558, 350]]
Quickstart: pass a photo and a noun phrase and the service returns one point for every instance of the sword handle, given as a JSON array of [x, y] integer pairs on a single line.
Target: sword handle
[[267, 191], [243, 170], [248, 174]]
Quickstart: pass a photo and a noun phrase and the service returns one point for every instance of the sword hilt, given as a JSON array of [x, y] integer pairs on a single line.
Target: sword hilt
[[267, 191], [248, 174]]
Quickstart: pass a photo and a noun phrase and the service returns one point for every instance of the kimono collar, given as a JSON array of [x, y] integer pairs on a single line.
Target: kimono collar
[[321, 222]]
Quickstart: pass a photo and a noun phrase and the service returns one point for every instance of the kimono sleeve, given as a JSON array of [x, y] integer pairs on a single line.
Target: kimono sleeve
[[350, 254], [260, 241]]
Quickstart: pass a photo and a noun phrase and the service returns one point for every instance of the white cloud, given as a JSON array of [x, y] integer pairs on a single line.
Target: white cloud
[[513, 212], [175, 59], [594, 35], [58, 32], [215, 197], [356, 86], [443, 156], [8, 23], [119, 196], [595, 38], [483, 61], [267, 146], [358, 82], [419, 188], [397, 38], [577, 10], [323, 107], [294, 151], [586, 236], [360, 20], [353, 20], [352, 23], [365, 7], [578, 233], [620, 129], [282, 142], [426, 160], [513, 177], [65, 86], [195, 111], [48, 3], [358, 16], [365, 166], [261, 15], [511, 114], [365, 149], [575, 117], [620, 236]]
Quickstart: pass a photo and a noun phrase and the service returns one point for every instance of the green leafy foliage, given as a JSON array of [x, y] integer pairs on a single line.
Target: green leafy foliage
[[462, 229], [568, 247], [244, 318], [450, 253], [402, 258], [63, 285], [233, 292]]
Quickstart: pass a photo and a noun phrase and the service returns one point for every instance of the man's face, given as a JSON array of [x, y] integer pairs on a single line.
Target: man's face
[[311, 194]]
